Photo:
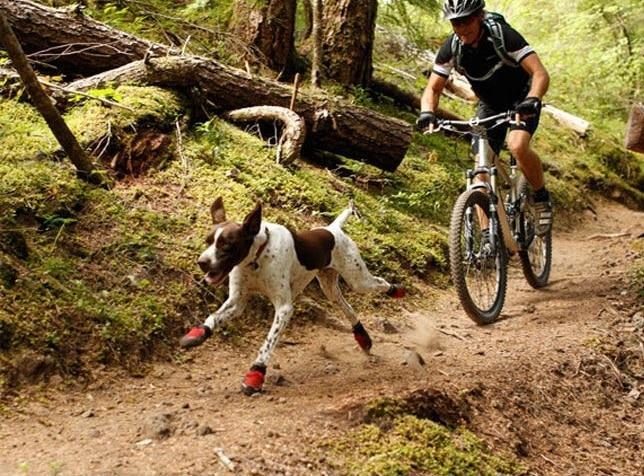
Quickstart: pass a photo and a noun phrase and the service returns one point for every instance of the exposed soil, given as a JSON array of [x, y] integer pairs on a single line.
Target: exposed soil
[[556, 382]]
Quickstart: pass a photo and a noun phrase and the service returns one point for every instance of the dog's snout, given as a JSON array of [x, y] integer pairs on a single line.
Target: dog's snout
[[204, 264]]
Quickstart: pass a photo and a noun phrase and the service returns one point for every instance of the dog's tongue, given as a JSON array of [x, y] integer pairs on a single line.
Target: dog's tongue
[[214, 279]]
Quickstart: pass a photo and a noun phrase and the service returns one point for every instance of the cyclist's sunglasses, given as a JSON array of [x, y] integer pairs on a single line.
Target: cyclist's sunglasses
[[464, 20]]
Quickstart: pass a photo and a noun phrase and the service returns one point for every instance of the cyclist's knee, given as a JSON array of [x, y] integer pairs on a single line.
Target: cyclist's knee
[[519, 146]]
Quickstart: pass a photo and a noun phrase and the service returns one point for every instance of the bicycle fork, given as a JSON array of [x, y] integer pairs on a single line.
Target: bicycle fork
[[498, 216]]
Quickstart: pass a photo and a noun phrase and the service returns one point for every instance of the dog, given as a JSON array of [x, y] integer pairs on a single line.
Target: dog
[[270, 259]]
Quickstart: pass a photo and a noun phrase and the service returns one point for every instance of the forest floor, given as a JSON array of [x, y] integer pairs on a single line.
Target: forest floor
[[548, 383]]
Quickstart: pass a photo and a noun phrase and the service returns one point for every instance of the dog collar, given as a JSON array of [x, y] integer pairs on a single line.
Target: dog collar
[[254, 264]]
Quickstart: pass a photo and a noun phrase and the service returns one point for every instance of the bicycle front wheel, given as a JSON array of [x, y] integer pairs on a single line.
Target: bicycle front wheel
[[479, 270], [536, 251]]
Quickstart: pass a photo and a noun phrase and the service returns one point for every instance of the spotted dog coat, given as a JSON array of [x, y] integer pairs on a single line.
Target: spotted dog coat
[[267, 258]]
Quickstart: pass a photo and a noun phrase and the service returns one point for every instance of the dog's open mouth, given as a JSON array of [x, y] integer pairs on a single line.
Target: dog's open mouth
[[215, 279]]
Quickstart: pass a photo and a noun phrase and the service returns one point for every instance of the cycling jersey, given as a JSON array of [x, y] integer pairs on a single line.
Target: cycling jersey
[[495, 82]]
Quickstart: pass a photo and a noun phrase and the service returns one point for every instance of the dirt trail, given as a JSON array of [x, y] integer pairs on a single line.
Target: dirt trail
[[527, 380]]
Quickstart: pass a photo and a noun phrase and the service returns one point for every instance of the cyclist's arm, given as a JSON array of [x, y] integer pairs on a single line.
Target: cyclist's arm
[[540, 77], [433, 90], [443, 64]]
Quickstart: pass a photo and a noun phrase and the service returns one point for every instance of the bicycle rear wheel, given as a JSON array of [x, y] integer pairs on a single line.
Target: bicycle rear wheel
[[478, 271], [536, 251]]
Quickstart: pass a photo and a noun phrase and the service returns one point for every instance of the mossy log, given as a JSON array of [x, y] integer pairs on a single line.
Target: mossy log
[[73, 42], [352, 131], [294, 128]]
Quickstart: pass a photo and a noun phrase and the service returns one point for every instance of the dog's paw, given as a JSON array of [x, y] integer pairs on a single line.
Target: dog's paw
[[196, 336], [254, 380], [395, 291], [362, 337]]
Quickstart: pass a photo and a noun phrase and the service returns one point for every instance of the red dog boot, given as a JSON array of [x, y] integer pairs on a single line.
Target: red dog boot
[[254, 379], [362, 337], [396, 291], [196, 336]]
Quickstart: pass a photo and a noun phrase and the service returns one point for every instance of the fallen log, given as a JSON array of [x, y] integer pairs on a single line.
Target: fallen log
[[577, 124], [404, 98], [351, 131], [294, 130], [71, 40]]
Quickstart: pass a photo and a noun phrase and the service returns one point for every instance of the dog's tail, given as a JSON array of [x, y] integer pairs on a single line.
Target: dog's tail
[[344, 216]]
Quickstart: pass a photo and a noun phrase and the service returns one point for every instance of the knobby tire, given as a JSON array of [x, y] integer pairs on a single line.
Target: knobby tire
[[460, 264], [536, 252]]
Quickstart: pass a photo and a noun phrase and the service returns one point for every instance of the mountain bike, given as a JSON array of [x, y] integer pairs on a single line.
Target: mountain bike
[[485, 231]]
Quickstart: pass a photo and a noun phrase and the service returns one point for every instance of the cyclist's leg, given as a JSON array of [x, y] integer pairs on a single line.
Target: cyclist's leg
[[530, 163]]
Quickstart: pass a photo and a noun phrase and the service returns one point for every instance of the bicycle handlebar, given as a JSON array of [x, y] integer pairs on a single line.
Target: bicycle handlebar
[[511, 117]]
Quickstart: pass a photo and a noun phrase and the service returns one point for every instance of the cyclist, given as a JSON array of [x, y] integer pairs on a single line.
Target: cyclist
[[505, 73]]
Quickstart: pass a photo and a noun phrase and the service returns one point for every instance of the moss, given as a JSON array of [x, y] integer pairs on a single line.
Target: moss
[[636, 271], [417, 446]]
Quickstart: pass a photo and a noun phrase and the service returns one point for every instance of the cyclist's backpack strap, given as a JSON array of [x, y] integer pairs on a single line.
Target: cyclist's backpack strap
[[456, 53], [493, 22]]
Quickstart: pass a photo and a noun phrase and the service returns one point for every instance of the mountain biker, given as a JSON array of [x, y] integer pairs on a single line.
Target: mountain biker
[[505, 74]]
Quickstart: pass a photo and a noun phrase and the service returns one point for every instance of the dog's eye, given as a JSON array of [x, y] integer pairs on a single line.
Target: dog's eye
[[225, 248], [210, 239]]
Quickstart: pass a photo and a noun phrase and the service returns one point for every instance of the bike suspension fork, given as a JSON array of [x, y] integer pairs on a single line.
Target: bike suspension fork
[[514, 195]]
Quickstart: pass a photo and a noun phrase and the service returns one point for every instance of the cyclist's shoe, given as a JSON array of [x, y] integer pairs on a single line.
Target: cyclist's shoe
[[543, 217]]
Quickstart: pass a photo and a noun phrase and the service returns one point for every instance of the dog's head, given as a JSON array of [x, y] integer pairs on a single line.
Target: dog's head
[[229, 243]]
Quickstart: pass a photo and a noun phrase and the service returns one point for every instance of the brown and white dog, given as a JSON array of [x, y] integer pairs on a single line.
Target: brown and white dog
[[266, 258]]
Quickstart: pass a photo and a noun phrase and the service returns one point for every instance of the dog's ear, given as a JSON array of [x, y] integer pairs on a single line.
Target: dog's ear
[[217, 211], [253, 220]]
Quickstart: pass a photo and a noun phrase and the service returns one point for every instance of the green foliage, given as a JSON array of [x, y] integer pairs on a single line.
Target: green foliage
[[198, 25], [417, 20], [594, 51]]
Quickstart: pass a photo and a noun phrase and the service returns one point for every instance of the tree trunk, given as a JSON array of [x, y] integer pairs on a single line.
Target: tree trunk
[[352, 131], [349, 30], [307, 13], [267, 28], [317, 43], [42, 102], [635, 129]]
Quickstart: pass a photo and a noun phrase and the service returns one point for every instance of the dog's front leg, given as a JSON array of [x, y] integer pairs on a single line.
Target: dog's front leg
[[233, 306], [254, 379]]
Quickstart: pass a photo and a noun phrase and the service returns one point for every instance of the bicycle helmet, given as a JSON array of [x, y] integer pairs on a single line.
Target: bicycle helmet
[[453, 9]]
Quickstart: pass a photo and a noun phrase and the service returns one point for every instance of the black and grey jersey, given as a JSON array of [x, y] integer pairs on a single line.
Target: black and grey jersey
[[495, 82]]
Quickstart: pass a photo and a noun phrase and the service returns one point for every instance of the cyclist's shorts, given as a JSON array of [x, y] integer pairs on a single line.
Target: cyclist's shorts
[[496, 136]]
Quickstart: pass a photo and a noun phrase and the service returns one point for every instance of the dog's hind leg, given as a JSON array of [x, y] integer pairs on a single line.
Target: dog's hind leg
[[328, 279], [254, 379], [348, 262]]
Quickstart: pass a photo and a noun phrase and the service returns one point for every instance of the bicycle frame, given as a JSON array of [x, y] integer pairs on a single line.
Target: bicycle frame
[[488, 166]]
